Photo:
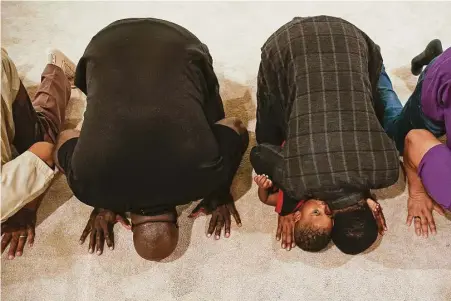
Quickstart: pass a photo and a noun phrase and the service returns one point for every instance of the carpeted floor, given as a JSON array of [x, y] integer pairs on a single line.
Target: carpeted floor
[[250, 264]]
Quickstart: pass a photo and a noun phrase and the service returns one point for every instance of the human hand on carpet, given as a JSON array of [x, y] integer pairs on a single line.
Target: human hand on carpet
[[221, 218], [17, 230], [220, 215], [419, 208], [100, 225], [285, 231]]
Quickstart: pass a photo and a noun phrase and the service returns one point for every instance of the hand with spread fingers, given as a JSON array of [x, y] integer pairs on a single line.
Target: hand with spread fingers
[[285, 231], [263, 181], [17, 230], [100, 227], [221, 216], [420, 207], [378, 214]]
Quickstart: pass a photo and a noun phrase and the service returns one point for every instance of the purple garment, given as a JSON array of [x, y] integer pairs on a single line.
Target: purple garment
[[435, 166], [435, 173], [436, 91]]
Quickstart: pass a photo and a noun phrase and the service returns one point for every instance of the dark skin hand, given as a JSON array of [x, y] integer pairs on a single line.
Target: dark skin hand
[[20, 227], [285, 231], [100, 227], [220, 218], [17, 230]]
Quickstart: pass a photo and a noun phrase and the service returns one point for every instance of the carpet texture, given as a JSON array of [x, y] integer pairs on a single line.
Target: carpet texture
[[250, 264]]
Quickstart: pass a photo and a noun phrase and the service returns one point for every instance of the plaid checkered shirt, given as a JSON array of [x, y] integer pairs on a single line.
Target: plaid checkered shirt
[[317, 91]]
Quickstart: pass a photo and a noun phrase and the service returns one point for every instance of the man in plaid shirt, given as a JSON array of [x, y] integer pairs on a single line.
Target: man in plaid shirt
[[318, 94]]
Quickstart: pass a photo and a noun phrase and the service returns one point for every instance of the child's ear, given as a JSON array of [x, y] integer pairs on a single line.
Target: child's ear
[[297, 216]]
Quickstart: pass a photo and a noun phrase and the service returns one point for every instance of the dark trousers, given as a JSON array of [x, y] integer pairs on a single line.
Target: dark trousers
[[42, 118]]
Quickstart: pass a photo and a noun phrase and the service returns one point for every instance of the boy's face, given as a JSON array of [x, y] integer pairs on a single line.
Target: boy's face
[[315, 213]]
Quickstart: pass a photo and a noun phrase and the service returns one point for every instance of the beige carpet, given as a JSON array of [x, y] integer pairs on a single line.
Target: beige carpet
[[250, 264]]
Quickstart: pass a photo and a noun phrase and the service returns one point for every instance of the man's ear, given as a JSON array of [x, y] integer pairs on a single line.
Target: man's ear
[[297, 216]]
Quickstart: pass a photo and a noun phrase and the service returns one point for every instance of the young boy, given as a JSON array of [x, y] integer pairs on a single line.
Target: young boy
[[312, 218], [318, 91]]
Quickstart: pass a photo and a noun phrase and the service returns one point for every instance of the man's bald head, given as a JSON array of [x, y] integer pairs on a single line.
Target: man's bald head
[[155, 240]]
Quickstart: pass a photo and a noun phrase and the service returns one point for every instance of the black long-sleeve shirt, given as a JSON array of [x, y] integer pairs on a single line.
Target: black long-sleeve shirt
[[152, 98]]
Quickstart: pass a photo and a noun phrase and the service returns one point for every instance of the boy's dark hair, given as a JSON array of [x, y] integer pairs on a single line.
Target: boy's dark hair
[[355, 228], [311, 239]]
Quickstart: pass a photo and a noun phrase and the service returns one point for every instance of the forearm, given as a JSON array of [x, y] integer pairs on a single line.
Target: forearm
[[417, 144], [268, 196], [413, 180], [34, 204], [263, 195]]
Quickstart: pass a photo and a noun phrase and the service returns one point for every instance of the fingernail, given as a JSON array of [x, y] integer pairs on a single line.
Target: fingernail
[[277, 238], [283, 246], [91, 250], [80, 242], [208, 235], [217, 237], [227, 235], [18, 254], [239, 225], [98, 252], [11, 257], [289, 248], [293, 245], [111, 248]]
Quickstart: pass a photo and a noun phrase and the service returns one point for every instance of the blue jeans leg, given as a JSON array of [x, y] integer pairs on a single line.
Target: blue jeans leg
[[400, 120], [392, 105]]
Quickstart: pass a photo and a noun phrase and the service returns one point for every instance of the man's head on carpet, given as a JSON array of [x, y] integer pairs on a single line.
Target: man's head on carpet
[[313, 227], [155, 237], [355, 228]]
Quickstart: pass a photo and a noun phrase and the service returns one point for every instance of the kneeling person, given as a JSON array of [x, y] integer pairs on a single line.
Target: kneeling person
[[318, 95], [154, 135]]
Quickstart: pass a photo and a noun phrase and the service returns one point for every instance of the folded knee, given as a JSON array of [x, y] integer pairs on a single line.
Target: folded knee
[[417, 137]]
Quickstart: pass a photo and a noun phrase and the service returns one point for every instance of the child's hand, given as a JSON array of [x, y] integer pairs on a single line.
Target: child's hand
[[285, 231], [263, 181]]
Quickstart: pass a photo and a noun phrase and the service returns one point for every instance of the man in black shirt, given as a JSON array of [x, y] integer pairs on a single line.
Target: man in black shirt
[[154, 135]]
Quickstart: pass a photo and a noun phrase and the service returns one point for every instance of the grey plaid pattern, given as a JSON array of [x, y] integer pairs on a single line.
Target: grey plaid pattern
[[322, 73]]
